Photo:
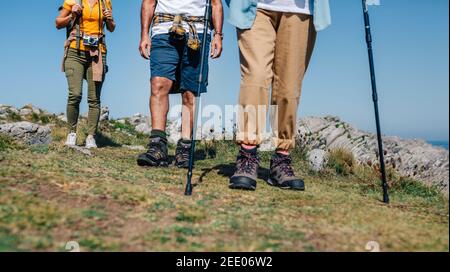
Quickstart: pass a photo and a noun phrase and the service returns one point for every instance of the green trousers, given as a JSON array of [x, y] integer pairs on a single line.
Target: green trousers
[[78, 68]]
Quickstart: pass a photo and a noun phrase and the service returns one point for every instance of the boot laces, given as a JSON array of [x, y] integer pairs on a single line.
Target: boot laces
[[155, 147], [248, 162], [285, 165], [183, 151]]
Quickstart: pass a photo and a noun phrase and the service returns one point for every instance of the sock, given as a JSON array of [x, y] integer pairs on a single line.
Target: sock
[[282, 153], [186, 141], [159, 133], [253, 150]]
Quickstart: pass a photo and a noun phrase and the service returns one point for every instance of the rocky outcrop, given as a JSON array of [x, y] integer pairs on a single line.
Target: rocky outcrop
[[27, 132], [203, 132], [104, 114], [317, 135], [412, 158], [141, 123], [6, 111], [27, 111], [317, 159]]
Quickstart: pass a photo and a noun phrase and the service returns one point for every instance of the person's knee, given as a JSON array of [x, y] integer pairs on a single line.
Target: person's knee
[[74, 98], [94, 102], [188, 99], [257, 76], [160, 87]]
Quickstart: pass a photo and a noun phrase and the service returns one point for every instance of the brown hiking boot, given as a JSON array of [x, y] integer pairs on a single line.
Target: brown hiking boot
[[156, 154], [182, 154], [247, 165], [282, 174]]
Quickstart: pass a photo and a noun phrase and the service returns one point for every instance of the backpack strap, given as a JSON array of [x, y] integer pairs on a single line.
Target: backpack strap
[[77, 25]]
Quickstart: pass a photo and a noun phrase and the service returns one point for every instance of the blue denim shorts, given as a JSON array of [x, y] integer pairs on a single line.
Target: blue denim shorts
[[172, 59]]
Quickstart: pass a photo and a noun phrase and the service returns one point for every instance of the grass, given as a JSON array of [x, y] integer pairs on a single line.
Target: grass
[[51, 195], [342, 161]]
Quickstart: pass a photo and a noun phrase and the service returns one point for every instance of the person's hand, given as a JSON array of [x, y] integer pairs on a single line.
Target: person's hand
[[107, 14], [76, 10], [216, 46], [144, 47]]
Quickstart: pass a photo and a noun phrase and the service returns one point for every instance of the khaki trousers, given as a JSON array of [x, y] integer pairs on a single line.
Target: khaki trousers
[[275, 54], [78, 67]]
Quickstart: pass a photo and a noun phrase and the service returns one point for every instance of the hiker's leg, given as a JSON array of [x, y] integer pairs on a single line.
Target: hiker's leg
[[159, 102], [164, 61], [189, 76], [187, 115], [187, 123], [75, 70], [295, 42], [94, 93], [257, 48]]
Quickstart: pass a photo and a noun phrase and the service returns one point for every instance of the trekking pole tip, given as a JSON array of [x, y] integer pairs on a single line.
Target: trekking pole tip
[[188, 191], [386, 199]]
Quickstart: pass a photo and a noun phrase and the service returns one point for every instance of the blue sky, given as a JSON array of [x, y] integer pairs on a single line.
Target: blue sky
[[411, 53]]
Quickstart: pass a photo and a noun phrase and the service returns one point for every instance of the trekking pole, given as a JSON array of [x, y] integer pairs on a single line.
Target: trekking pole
[[204, 57], [375, 102]]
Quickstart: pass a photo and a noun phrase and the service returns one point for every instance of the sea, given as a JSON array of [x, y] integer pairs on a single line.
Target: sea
[[443, 144]]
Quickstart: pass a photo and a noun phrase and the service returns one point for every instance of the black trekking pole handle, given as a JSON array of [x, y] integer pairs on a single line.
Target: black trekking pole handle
[[375, 101], [204, 57]]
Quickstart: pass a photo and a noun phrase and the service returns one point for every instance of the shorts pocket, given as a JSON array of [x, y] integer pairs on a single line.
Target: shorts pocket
[[160, 40]]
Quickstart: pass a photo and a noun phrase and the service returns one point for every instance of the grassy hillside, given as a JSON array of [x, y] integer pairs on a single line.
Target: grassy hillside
[[50, 195]]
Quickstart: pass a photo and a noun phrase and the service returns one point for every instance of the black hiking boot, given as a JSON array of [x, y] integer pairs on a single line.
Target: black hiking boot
[[247, 165], [156, 154], [282, 174], [182, 154]]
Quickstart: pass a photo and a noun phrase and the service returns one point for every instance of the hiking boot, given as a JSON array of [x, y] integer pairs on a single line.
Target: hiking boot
[[247, 165], [182, 154], [156, 154], [90, 142], [282, 174], [71, 139]]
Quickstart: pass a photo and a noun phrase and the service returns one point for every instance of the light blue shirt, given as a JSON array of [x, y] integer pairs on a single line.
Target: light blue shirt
[[243, 13]]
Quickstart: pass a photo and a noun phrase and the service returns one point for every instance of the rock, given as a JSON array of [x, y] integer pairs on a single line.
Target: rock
[[62, 117], [13, 110], [27, 132], [174, 131], [204, 132], [138, 119], [412, 158], [33, 109], [268, 144], [144, 128], [25, 112], [317, 159], [7, 110], [3, 109], [104, 114]]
